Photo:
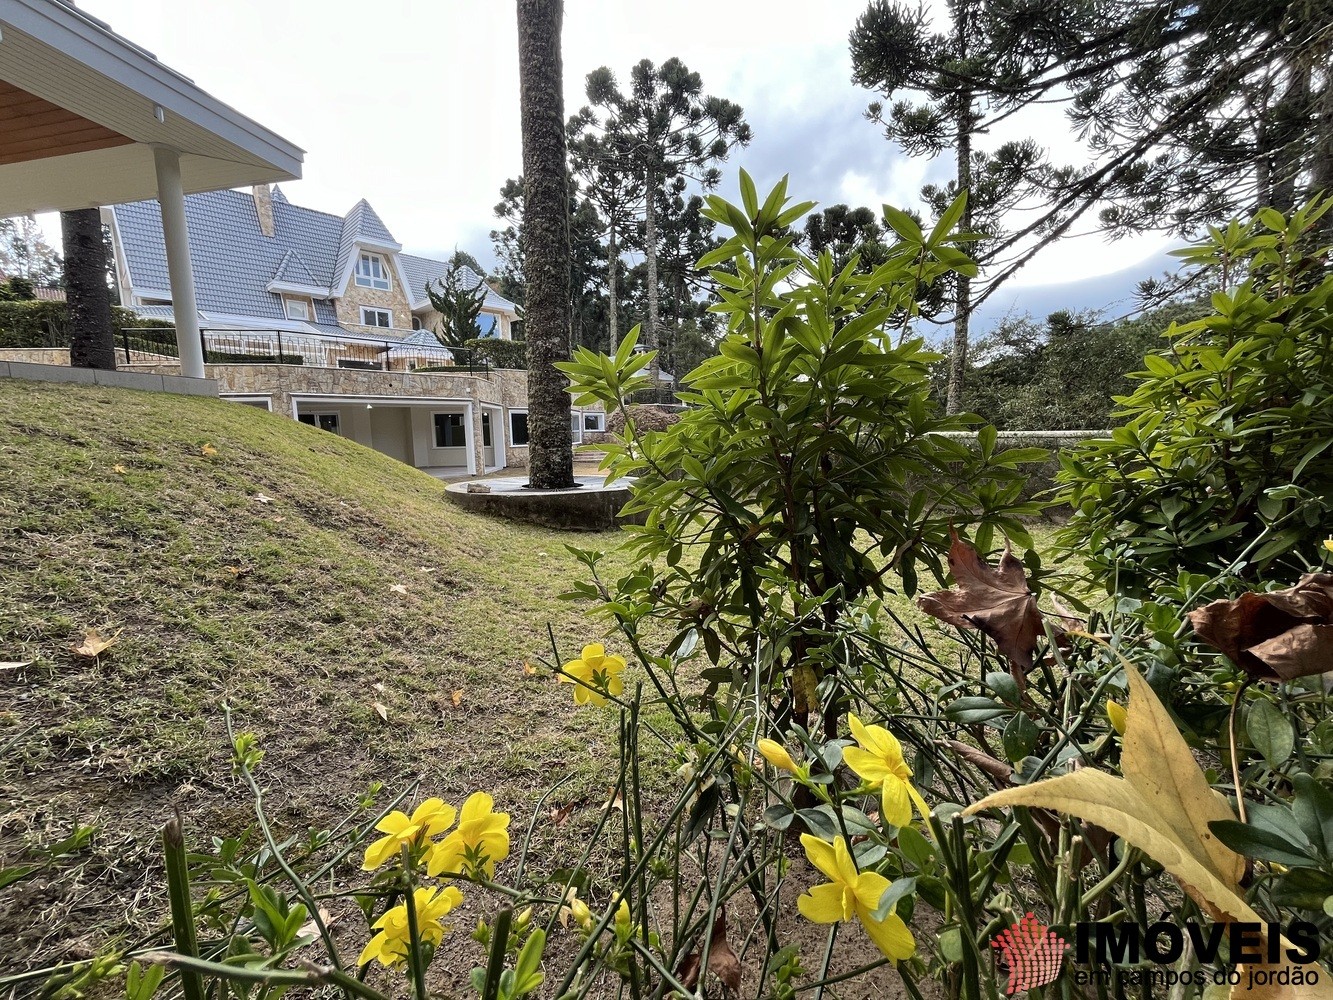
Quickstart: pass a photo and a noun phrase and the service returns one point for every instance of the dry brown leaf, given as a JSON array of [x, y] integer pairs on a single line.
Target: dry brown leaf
[[559, 816], [120, 470], [380, 710], [310, 927], [995, 600], [261, 498], [208, 451], [94, 644], [722, 961], [616, 800], [278, 519], [238, 571], [1281, 635], [1001, 772], [457, 697], [398, 588], [529, 669]]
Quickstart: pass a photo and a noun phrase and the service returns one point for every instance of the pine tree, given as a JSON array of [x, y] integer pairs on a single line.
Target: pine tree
[[457, 295], [670, 128]]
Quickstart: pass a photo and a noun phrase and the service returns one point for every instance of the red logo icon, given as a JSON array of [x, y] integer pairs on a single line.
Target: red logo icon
[[1031, 951]]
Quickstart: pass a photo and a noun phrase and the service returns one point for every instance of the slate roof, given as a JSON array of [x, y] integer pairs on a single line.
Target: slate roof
[[420, 270], [293, 271]]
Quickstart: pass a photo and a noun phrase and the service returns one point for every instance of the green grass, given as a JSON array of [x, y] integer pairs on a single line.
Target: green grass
[[114, 517]]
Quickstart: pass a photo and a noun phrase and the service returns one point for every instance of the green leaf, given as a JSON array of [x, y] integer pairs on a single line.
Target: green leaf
[[1019, 737], [1313, 808], [919, 851], [896, 891], [974, 709], [1270, 732], [1263, 845]]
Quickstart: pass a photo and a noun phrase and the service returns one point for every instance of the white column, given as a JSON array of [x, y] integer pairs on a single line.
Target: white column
[[171, 197]]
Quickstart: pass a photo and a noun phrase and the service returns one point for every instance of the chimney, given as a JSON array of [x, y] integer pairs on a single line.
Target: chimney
[[264, 206]]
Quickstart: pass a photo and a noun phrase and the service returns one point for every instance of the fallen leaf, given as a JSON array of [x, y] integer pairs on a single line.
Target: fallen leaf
[[995, 600], [999, 771], [14, 664], [1162, 806], [559, 816], [722, 961], [616, 801], [378, 687], [1280, 635], [208, 451], [119, 469], [398, 588], [94, 644], [457, 697], [238, 571], [310, 927], [278, 518], [381, 711], [261, 498], [529, 669], [425, 569]]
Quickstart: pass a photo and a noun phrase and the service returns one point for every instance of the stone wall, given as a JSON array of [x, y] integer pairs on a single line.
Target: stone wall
[[36, 355], [349, 304]]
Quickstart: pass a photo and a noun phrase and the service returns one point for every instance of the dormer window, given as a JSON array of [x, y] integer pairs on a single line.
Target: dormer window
[[297, 309], [372, 272]]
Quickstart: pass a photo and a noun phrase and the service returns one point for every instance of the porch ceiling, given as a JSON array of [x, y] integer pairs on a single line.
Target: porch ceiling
[[82, 108]]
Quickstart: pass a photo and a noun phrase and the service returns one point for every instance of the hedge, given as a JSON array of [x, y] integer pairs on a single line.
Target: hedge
[[500, 353], [42, 323]]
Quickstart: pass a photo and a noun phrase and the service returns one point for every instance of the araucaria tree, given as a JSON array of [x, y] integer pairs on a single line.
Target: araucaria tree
[[668, 128], [92, 342], [457, 295], [545, 242], [895, 51]]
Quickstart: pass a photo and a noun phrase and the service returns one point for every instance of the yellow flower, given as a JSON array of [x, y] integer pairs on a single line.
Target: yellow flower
[[480, 842], [1115, 714], [1328, 544], [776, 754], [852, 894], [879, 760], [623, 925], [598, 671], [391, 945], [429, 819], [577, 909]]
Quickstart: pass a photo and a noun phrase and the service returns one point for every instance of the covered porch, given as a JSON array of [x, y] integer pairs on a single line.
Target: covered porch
[[88, 118]]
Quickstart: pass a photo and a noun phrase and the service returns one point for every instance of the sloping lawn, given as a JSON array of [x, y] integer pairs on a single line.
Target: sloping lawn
[[245, 559]]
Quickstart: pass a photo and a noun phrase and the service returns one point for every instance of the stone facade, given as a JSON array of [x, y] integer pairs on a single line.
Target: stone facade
[[354, 296], [36, 355]]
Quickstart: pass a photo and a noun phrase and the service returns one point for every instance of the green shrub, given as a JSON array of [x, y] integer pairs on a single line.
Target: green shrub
[[1221, 468], [500, 353], [37, 323]]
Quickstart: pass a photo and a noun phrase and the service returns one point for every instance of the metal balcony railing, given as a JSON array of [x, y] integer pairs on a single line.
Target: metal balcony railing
[[147, 345]]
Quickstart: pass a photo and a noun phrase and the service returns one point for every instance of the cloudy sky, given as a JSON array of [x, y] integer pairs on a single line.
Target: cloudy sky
[[414, 105]]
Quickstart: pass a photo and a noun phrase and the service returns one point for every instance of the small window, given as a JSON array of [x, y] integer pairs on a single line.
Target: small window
[[594, 421], [298, 309], [324, 421], [416, 322], [518, 427], [576, 428], [450, 431], [376, 317], [488, 324], [372, 366], [372, 272]]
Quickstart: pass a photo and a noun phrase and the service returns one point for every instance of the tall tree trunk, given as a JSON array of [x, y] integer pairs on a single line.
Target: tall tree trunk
[[650, 257], [612, 267], [963, 299], [92, 342], [546, 257]]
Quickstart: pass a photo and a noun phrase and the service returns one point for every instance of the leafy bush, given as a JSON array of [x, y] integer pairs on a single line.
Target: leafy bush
[[501, 353], [645, 418], [1221, 467], [37, 323]]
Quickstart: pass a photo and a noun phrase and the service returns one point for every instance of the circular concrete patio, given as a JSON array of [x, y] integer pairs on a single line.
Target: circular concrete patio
[[593, 506]]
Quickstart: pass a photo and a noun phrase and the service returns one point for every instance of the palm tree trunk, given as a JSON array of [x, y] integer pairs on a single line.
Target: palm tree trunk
[[545, 242], [92, 342]]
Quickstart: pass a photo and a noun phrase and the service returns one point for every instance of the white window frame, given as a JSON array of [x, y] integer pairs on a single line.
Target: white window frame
[[367, 279], [265, 401], [316, 415], [600, 419], [509, 431], [376, 309], [301, 304]]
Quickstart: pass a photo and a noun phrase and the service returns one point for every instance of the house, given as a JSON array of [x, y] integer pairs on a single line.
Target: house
[[325, 319]]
